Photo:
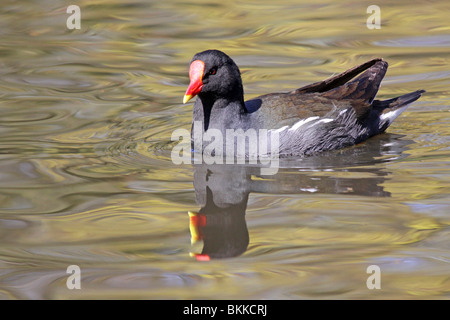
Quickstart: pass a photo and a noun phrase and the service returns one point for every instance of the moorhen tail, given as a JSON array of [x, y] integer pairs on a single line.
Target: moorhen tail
[[331, 114]]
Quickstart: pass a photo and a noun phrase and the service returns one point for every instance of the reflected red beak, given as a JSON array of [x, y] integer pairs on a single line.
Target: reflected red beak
[[195, 76], [196, 222]]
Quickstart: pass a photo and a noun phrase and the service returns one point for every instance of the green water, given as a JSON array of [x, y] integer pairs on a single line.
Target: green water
[[86, 176]]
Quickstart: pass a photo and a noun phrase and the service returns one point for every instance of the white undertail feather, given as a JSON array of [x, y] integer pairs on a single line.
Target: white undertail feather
[[392, 115]]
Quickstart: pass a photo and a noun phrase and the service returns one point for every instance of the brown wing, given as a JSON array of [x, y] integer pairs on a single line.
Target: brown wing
[[375, 71], [320, 98]]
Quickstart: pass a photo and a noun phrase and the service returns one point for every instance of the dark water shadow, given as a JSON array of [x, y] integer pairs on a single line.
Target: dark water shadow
[[222, 191]]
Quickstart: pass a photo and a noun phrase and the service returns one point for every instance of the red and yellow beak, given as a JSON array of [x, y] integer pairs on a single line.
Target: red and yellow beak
[[195, 76]]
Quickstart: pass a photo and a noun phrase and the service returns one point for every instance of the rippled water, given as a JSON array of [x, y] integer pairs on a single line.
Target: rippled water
[[86, 177]]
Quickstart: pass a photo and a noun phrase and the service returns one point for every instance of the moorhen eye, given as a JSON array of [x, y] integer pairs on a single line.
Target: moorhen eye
[[212, 71]]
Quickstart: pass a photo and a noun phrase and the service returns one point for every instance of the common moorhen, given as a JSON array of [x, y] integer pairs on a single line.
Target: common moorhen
[[331, 114]]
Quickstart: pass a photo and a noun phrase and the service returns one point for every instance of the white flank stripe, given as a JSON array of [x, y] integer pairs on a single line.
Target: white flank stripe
[[322, 121], [309, 189], [280, 129], [302, 122], [325, 120]]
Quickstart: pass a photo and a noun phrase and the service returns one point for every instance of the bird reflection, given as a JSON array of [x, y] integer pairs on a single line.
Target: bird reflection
[[222, 191]]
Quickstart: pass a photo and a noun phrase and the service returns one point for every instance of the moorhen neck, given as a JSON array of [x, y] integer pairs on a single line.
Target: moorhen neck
[[331, 114]]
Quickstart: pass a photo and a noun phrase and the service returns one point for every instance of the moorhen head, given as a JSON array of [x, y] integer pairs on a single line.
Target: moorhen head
[[214, 75]]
